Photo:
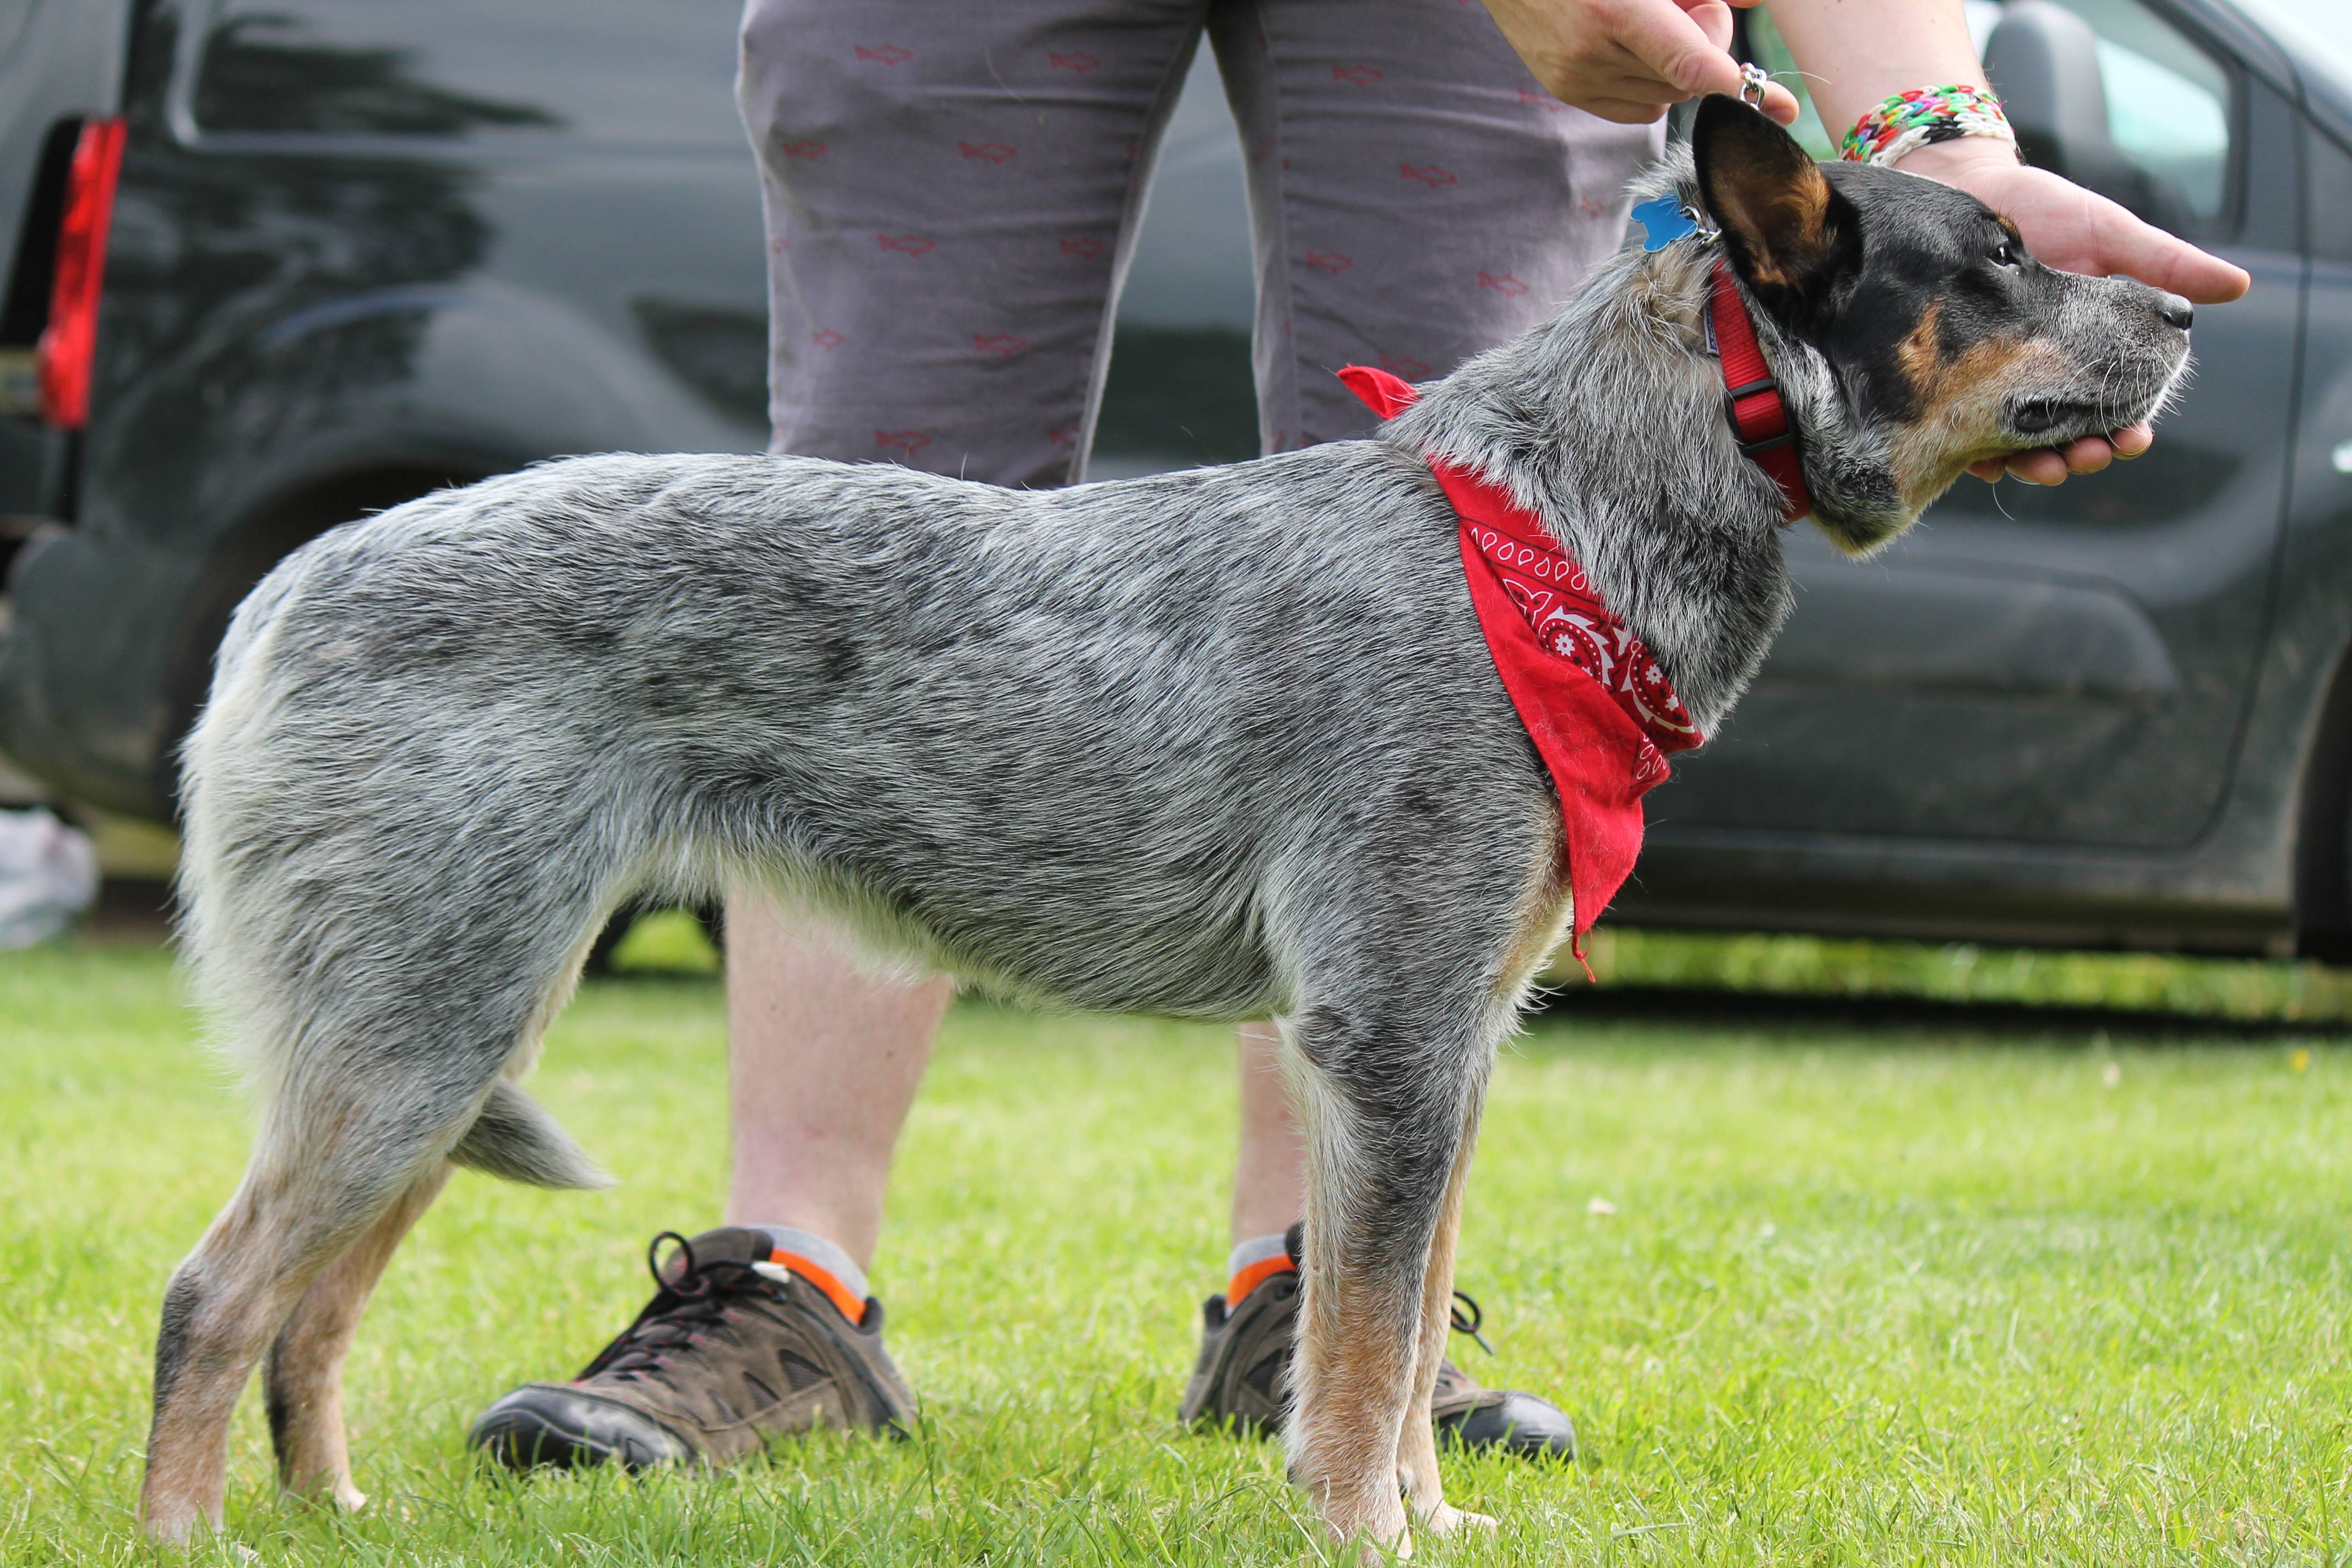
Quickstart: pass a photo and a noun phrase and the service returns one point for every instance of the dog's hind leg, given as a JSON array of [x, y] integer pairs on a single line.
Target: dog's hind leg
[[333, 1160], [303, 1380], [383, 1016], [1386, 1089]]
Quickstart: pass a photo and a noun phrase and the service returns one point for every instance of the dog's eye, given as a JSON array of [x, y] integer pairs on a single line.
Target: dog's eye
[[2004, 254]]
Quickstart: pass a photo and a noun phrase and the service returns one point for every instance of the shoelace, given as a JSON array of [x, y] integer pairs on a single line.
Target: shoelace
[[1473, 1322], [693, 1301]]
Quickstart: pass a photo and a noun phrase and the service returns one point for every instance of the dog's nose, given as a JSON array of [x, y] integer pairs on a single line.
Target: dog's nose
[[2176, 311]]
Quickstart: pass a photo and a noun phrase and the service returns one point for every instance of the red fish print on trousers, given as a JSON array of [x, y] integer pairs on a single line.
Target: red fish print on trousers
[[1003, 344], [1542, 100], [1601, 712], [912, 244], [1502, 283], [1429, 174], [904, 440], [1363, 76], [1077, 60], [1407, 368], [993, 152], [1063, 435], [1329, 261], [812, 150], [885, 54], [1085, 246], [828, 339]]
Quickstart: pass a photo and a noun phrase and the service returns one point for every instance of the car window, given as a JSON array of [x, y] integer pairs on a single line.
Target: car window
[[619, 71], [2160, 142], [2167, 101]]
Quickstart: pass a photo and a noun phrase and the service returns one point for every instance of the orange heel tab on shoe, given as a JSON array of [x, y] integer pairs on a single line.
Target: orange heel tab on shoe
[[850, 1305], [1255, 1275]]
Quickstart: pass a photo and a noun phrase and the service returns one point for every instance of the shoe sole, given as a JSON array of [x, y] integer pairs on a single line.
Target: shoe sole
[[527, 1436]]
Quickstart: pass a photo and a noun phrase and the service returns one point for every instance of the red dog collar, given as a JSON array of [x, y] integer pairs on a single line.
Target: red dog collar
[[1751, 398], [1601, 712]]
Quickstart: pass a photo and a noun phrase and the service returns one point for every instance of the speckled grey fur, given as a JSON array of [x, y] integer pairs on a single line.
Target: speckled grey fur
[[1214, 744]]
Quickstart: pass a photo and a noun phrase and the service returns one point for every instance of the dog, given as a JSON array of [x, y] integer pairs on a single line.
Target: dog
[[1217, 745]]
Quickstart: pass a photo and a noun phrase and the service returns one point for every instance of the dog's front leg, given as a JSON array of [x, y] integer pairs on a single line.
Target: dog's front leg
[[1417, 1445], [1384, 1114]]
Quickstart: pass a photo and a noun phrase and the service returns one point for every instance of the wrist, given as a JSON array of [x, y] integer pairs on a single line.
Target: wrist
[[1957, 162]]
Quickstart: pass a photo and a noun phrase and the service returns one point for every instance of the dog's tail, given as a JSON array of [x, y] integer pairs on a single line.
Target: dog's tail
[[513, 1138]]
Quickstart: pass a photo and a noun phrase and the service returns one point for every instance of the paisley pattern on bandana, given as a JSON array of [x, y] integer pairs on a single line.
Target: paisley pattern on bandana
[[1569, 622]]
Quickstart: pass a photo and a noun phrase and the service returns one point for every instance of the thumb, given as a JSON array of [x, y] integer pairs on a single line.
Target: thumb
[[1665, 39], [2154, 256], [1713, 18]]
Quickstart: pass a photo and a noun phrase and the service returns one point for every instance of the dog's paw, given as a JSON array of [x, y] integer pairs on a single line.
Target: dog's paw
[[1448, 1519]]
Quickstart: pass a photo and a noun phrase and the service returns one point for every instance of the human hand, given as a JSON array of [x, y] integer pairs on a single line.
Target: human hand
[[2080, 231], [1627, 60]]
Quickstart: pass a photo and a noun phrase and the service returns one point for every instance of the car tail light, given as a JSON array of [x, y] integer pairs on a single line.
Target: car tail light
[[70, 339]]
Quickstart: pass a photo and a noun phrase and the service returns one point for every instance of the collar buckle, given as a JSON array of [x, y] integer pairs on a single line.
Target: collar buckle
[[1734, 396]]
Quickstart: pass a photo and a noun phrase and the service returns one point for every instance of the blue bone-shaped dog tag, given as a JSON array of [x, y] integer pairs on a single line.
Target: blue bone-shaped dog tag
[[1665, 220]]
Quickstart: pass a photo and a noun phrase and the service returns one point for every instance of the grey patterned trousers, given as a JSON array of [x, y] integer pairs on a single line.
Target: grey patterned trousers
[[953, 192]]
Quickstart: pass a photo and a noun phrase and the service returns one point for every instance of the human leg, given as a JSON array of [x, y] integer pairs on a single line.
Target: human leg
[[949, 203], [1270, 1170], [824, 1059], [1416, 198]]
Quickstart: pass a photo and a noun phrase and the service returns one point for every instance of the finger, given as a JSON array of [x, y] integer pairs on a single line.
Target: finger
[[2039, 467], [1624, 110], [2147, 253], [2087, 455], [1990, 470], [2131, 441], [1713, 18], [1635, 84], [1663, 37]]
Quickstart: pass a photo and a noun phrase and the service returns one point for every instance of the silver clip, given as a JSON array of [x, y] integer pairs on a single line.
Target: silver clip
[[1753, 80]]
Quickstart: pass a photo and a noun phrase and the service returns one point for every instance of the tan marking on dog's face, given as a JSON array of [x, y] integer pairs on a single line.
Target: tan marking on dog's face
[[1964, 403], [1921, 355]]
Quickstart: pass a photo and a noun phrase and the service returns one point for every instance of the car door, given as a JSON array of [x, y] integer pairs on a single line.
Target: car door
[[2069, 665]]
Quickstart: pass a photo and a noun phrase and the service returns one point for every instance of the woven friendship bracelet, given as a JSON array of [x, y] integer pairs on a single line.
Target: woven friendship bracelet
[[1925, 115]]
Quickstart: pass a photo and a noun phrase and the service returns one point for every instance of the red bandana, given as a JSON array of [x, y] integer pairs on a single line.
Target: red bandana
[[1601, 712]]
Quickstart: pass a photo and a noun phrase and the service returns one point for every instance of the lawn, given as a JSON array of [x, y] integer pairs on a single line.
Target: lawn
[[1813, 1294]]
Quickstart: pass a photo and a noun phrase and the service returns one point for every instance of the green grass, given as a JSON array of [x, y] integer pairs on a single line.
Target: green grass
[[2239, 989], [1924, 1296]]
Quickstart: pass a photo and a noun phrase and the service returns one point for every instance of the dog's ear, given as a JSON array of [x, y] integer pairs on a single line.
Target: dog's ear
[[1789, 234]]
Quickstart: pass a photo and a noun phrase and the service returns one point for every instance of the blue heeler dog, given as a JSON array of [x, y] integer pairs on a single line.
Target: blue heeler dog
[[1216, 744]]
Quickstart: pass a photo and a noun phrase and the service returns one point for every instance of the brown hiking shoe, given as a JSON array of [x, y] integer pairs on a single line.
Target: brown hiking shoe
[[1243, 1375], [732, 1350]]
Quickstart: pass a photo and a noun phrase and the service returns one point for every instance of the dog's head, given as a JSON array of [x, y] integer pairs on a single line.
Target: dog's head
[[1918, 334]]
